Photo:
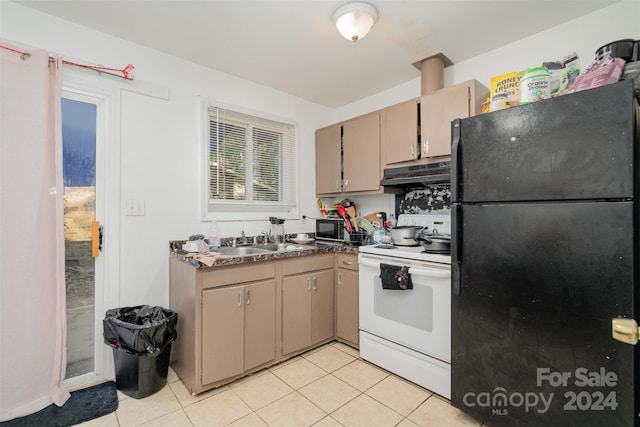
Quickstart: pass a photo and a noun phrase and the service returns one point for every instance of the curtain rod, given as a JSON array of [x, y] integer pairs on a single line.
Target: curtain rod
[[126, 71]]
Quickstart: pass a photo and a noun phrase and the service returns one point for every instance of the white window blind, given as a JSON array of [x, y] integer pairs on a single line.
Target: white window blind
[[251, 163]]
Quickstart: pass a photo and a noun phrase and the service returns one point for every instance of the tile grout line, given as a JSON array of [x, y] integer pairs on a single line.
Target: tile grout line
[[304, 356]]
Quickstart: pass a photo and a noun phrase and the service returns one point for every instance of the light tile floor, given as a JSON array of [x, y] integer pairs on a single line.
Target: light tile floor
[[328, 386]]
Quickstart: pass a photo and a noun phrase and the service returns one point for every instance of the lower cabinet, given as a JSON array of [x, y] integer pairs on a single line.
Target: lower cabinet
[[307, 302], [227, 321], [234, 320], [238, 329], [347, 313]]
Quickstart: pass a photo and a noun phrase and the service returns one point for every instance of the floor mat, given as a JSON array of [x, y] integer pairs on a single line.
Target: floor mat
[[83, 405]]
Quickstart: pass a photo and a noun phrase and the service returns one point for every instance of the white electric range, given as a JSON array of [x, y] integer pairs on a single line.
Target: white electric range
[[408, 332]]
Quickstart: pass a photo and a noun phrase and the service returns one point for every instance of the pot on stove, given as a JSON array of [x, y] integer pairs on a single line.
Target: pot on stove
[[406, 235], [435, 243]]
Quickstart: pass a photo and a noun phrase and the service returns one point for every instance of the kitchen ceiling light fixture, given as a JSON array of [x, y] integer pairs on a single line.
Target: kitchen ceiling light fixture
[[354, 20]]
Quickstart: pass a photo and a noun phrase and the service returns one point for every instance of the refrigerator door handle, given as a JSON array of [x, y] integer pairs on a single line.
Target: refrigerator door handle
[[625, 330], [455, 170], [456, 248]]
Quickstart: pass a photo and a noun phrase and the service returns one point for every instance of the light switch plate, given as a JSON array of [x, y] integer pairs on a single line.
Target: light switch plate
[[135, 207]]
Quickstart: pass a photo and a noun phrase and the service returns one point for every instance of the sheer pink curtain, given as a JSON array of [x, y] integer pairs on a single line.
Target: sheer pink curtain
[[32, 282]]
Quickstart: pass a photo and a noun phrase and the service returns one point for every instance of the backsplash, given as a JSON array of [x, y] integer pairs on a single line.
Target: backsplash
[[424, 200]]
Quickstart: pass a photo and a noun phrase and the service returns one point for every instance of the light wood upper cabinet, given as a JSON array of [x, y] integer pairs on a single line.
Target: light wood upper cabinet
[[413, 132], [361, 151], [328, 160], [399, 133], [439, 108], [348, 157]]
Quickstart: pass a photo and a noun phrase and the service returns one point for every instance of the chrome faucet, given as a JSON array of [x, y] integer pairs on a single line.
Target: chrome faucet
[[244, 238]]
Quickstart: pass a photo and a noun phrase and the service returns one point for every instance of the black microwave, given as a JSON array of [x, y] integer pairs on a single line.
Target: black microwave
[[330, 229]]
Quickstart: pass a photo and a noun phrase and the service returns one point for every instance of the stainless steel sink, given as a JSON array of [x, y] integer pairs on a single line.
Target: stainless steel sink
[[242, 250], [260, 249]]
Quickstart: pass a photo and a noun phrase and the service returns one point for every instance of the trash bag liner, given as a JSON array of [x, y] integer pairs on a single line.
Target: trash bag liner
[[142, 330]]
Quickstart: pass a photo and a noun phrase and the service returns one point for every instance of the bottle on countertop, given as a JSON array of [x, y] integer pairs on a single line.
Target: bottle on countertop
[[378, 230], [214, 235], [391, 221]]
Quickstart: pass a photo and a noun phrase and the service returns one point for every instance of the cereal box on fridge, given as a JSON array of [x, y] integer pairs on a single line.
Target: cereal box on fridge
[[505, 91]]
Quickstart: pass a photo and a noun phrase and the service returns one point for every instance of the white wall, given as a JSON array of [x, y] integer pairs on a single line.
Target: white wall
[[159, 138], [583, 35], [160, 151]]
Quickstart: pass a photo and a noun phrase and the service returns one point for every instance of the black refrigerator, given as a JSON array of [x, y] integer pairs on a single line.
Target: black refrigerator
[[544, 258]]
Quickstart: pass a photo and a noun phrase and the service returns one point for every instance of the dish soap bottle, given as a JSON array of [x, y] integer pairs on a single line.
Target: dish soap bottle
[[214, 235], [378, 230]]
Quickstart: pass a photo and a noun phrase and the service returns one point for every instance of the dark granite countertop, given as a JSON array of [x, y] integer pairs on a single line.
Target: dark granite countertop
[[175, 248]]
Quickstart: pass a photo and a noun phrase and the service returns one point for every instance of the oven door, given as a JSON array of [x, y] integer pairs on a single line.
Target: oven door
[[418, 318]]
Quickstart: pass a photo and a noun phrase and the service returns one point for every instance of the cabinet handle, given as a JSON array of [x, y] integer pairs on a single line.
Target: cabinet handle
[[248, 297], [339, 279], [315, 283], [425, 144], [239, 298], [338, 184], [413, 152], [308, 283], [347, 262]]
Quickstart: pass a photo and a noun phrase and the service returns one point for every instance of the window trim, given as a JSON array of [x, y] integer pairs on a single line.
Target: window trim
[[236, 215]]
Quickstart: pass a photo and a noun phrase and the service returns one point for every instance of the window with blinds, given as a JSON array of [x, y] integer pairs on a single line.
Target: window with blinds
[[251, 163]]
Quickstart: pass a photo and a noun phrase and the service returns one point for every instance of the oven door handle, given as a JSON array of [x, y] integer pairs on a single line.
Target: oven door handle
[[412, 270], [369, 263], [431, 272]]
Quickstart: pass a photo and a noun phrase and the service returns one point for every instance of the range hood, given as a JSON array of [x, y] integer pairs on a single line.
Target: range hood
[[427, 174], [432, 79]]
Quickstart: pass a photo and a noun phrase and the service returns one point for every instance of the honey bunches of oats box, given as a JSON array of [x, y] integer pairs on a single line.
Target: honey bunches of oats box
[[505, 91]]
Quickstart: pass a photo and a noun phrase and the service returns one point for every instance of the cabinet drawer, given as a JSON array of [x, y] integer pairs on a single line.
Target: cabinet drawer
[[307, 263], [350, 262], [238, 274]]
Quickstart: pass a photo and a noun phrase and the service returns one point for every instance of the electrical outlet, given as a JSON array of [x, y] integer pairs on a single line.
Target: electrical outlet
[[303, 219]]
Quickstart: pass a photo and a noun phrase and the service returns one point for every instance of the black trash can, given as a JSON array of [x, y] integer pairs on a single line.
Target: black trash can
[[141, 339]]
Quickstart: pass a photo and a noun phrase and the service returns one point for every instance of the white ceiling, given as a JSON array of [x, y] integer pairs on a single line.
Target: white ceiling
[[293, 46]]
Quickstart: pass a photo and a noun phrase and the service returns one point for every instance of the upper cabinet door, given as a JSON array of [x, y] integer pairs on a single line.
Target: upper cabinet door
[[437, 110], [399, 132], [328, 160], [361, 154]]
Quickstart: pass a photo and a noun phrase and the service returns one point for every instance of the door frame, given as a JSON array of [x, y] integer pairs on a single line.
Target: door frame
[[107, 264]]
